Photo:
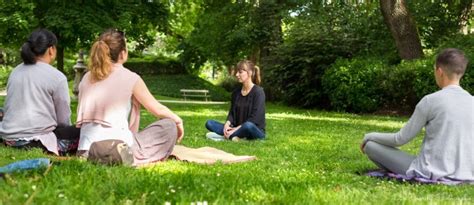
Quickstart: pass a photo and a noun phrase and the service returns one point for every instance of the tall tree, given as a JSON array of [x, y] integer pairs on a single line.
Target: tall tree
[[403, 28], [77, 23], [228, 30]]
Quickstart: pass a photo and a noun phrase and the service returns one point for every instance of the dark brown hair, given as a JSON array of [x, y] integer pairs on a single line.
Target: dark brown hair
[[452, 61]]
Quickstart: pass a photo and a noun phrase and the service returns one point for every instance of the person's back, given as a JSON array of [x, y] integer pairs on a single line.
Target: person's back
[[32, 101], [37, 112], [108, 95], [447, 146], [448, 118]]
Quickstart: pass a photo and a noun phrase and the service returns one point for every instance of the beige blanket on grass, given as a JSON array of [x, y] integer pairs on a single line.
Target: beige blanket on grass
[[207, 155]]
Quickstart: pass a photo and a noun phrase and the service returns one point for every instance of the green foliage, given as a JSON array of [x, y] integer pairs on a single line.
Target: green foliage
[[4, 73], [78, 23], [170, 85], [365, 85], [227, 31], [352, 85], [16, 20], [222, 33], [439, 20], [315, 39], [228, 82], [405, 84], [155, 65]]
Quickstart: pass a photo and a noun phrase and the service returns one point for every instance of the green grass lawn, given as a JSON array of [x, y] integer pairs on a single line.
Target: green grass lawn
[[309, 157]]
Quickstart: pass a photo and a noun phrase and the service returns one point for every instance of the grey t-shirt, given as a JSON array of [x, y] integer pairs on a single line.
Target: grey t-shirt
[[448, 146], [37, 101]]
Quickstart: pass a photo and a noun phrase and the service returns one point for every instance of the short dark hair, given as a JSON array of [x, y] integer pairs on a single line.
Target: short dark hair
[[38, 42], [453, 61]]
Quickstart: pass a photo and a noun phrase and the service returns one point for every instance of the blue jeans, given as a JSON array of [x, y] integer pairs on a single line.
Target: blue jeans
[[247, 130]]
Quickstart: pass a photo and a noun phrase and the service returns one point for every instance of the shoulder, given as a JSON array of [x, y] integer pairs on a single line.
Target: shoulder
[[236, 91], [258, 90], [52, 71], [127, 72]]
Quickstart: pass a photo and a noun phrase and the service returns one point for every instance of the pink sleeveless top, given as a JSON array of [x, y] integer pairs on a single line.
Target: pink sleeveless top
[[98, 100]]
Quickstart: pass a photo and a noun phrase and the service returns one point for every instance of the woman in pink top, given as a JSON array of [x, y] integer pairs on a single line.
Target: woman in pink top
[[108, 112]]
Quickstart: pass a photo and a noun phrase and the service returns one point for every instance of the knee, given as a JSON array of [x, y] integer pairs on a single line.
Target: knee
[[208, 124], [370, 147], [247, 125], [170, 126]]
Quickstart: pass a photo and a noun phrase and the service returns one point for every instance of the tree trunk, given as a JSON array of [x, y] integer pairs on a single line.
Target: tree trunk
[[403, 28], [269, 18], [466, 8], [60, 58]]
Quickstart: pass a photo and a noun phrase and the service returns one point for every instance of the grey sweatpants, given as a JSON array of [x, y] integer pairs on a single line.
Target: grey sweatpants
[[388, 158], [155, 142]]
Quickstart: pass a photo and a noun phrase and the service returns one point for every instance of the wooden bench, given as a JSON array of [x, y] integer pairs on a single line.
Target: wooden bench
[[195, 93]]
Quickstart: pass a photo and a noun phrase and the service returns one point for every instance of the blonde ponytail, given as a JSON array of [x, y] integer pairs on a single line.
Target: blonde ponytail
[[256, 75], [100, 61]]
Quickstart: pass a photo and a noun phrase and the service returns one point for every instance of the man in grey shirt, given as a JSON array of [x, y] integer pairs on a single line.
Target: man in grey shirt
[[447, 151], [37, 111]]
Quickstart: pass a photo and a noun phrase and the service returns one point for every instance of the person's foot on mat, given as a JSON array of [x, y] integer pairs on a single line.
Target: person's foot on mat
[[214, 136]]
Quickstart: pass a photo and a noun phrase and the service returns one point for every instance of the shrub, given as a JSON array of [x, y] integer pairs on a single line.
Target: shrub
[[4, 73], [405, 84], [365, 85], [151, 66], [228, 82], [352, 85], [315, 40]]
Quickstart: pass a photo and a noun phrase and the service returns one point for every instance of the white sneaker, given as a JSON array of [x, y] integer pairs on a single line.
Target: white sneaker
[[214, 136], [235, 139]]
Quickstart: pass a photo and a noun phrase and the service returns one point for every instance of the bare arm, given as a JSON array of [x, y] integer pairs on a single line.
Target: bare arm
[[409, 131], [143, 95]]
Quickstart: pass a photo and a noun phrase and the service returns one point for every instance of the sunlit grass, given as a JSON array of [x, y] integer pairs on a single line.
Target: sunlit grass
[[309, 157]]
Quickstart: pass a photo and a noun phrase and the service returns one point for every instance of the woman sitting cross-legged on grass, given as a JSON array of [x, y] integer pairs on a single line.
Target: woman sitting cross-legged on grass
[[246, 118], [37, 112], [109, 94], [448, 117]]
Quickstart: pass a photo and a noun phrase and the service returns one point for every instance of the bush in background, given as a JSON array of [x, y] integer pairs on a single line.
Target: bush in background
[[155, 65], [315, 40], [367, 85], [228, 82], [4, 73], [353, 85]]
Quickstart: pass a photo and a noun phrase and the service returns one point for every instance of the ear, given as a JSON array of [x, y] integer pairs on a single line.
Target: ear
[[440, 71], [123, 54], [50, 51]]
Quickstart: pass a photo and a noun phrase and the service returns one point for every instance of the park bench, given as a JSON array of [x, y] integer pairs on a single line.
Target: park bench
[[195, 93]]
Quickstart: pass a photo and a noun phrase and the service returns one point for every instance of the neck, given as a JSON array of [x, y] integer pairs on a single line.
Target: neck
[[43, 59], [448, 83], [247, 85], [120, 61]]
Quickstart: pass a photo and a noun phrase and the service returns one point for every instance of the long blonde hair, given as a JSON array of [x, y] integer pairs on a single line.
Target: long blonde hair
[[104, 52], [243, 64]]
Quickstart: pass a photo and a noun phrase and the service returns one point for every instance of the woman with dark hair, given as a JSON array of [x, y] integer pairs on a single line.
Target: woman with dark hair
[[109, 94], [37, 112], [246, 118]]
